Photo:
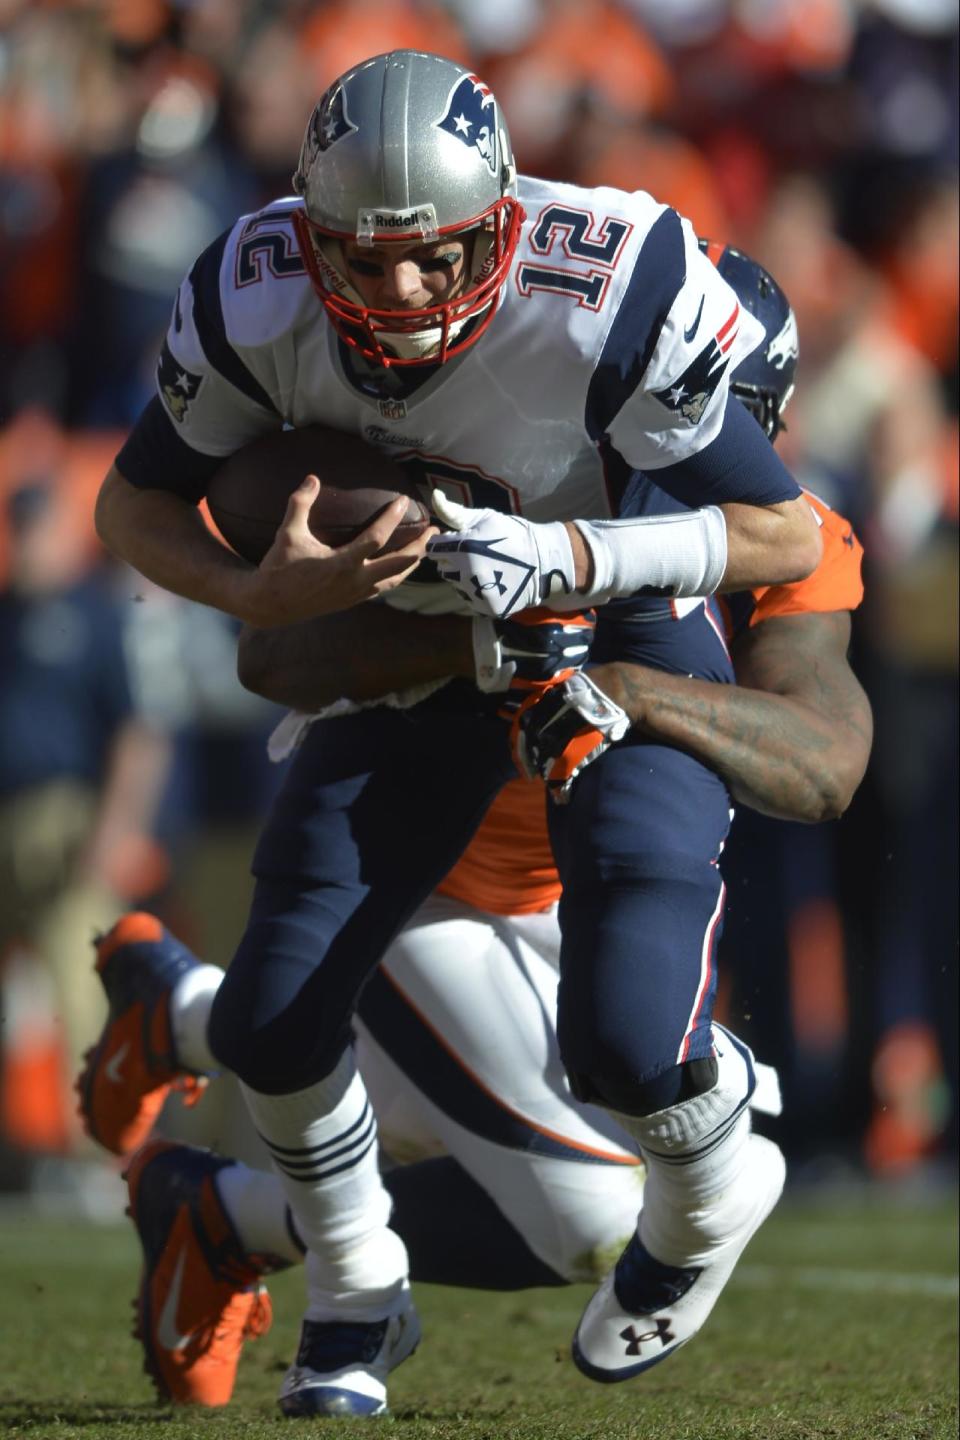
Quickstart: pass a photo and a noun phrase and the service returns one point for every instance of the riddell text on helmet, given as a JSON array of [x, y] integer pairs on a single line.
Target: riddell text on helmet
[[398, 222]]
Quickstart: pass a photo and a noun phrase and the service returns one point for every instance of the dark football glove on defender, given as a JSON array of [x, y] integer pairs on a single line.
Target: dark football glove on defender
[[556, 733], [533, 649]]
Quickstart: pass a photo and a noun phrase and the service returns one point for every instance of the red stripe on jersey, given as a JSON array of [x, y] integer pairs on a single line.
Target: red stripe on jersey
[[726, 326]]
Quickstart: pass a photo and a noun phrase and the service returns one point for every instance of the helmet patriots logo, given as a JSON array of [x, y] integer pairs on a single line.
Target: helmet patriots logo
[[471, 115], [328, 124], [330, 119], [690, 394]]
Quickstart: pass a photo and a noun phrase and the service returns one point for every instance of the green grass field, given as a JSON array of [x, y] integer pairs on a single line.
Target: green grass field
[[840, 1322]]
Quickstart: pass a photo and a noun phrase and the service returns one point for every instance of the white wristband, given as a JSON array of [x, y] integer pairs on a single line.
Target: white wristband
[[492, 672], [684, 554]]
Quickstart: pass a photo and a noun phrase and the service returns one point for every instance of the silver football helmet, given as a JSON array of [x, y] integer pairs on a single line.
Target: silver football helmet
[[408, 146]]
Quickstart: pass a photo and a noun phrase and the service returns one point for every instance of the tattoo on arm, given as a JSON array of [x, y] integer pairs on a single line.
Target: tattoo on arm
[[791, 739]]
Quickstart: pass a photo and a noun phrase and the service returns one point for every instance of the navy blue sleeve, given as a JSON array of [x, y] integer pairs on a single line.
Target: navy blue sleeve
[[739, 465], [659, 272], [155, 458]]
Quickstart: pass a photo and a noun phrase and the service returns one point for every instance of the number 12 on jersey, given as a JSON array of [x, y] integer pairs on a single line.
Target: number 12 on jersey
[[580, 238]]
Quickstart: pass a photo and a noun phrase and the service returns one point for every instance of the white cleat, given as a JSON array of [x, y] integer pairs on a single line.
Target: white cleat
[[342, 1366], [645, 1310]]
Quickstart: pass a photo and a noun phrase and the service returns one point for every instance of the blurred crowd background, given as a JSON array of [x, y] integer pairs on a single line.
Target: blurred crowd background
[[820, 136]]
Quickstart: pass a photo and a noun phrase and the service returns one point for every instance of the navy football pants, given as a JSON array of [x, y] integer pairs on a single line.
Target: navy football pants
[[378, 806]]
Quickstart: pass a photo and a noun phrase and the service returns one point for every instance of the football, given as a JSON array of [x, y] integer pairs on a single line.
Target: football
[[247, 496]]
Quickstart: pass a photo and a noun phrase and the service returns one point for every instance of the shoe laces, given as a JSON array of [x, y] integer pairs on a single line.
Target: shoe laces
[[216, 1340], [260, 1318], [191, 1088], [643, 1285], [331, 1344]]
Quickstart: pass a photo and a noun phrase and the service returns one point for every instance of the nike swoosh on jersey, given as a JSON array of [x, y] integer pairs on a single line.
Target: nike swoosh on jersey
[[167, 1333], [112, 1067], [690, 330]]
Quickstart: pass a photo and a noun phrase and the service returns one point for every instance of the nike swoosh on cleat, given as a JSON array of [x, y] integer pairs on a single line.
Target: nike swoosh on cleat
[[690, 330], [167, 1333], [112, 1067]]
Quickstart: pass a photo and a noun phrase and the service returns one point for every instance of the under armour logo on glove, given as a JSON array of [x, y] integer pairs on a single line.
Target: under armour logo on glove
[[495, 584], [560, 731], [501, 563]]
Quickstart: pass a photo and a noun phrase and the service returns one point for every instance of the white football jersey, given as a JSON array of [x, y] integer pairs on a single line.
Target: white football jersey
[[610, 354], [612, 323]]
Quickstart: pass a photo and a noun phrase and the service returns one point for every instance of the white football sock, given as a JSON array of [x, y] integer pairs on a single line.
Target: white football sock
[[257, 1205], [191, 1000], [694, 1153], [323, 1143]]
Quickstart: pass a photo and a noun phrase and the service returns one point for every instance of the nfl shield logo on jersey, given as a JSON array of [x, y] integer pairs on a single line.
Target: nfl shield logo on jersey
[[471, 115], [177, 385], [392, 409]]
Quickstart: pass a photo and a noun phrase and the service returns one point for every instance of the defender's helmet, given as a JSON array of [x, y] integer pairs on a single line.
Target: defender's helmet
[[408, 146], [764, 381]]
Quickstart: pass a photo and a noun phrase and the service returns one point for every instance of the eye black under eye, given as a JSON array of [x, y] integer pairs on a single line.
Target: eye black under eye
[[430, 262], [365, 267]]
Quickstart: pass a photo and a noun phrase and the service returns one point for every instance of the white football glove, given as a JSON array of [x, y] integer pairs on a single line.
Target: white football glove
[[501, 563]]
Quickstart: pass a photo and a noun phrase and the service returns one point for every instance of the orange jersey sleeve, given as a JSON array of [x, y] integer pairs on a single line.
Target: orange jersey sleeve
[[836, 584], [508, 867]]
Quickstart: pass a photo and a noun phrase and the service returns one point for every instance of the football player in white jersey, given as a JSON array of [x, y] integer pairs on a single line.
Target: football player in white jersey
[[455, 1035], [533, 348]]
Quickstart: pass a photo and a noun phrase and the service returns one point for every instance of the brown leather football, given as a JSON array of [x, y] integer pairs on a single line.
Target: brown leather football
[[247, 497]]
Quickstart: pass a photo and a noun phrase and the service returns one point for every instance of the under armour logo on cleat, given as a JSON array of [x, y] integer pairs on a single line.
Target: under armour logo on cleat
[[495, 584], [662, 1333]]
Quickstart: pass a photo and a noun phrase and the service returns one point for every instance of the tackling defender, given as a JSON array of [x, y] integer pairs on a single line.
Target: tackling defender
[[535, 352]]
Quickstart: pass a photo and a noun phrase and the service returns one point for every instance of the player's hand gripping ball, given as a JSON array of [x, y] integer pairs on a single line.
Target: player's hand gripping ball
[[247, 497], [557, 733]]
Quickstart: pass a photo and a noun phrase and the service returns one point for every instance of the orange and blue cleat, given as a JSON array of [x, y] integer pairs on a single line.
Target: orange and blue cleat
[[132, 1068], [200, 1293]]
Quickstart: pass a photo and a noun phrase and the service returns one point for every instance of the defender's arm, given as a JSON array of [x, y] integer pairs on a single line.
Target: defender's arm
[[359, 654], [791, 739]]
